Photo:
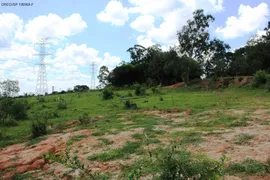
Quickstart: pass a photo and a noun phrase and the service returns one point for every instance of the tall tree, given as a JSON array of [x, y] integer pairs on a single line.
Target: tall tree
[[103, 76], [10, 88], [194, 37], [137, 53]]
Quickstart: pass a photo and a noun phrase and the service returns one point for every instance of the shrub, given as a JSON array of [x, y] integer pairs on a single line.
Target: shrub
[[139, 90], [61, 104], [129, 105], [9, 121], [16, 108], [260, 78], [41, 99], [84, 118], [38, 128], [156, 90], [107, 94]]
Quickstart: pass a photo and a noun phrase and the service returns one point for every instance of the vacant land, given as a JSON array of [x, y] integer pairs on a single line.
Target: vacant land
[[116, 142]]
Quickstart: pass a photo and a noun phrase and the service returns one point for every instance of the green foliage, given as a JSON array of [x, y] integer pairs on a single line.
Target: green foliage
[[107, 94], [40, 99], [248, 166], [38, 128], [130, 105], [81, 88], [139, 90], [61, 104], [85, 118], [129, 148], [14, 107], [244, 139], [8, 121], [191, 138], [157, 89], [260, 78]]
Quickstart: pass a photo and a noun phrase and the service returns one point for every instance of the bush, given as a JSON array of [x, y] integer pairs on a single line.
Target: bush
[[129, 105], [38, 128], [260, 78], [41, 99], [61, 104], [139, 90], [84, 118], [9, 121], [157, 89], [107, 94], [16, 108]]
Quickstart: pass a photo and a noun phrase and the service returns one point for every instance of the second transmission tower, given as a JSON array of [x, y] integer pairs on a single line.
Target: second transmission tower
[[42, 86], [93, 78]]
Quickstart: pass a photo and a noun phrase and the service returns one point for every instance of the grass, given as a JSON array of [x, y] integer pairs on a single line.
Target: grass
[[127, 149], [75, 138], [35, 141], [105, 141], [243, 139], [248, 166]]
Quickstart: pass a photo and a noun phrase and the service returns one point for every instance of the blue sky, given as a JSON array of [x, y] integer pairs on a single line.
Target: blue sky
[[101, 31]]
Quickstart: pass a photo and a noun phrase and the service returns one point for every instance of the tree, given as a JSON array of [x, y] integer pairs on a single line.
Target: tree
[[137, 53], [103, 76], [218, 59], [193, 38], [81, 88], [10, 88]]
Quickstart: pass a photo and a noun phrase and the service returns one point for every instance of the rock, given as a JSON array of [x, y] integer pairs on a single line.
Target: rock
[[70, 123]]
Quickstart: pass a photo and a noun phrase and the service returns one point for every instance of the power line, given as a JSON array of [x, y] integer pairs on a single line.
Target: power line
[[42, 86]]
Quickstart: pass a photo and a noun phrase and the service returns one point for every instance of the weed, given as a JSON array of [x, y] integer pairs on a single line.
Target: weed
[[74, 139], [191, 138], [139, 90], [85, 118], [244, 139], [98, 133], [61, 104], [129, 148], [8, 121], [41, 99], [107, 94], [129, 105], [106, 141], [248, 166]]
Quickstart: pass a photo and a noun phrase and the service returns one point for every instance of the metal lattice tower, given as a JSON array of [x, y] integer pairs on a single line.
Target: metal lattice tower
[[42, 86], [93, 78]]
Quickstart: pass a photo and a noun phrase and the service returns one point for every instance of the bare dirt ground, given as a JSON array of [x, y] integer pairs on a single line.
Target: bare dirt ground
[[22, 158]]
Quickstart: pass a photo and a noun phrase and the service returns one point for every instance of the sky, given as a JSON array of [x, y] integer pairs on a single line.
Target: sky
[[82, 31]]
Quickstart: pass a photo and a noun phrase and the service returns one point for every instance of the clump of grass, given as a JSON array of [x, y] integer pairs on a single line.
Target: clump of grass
[[61, 104], [74, 139], [98, 133], [129, 148], [35, 141], [9, 121], [139, 90], [107, 94], [244, 139], [191, 138], [38, 128], [130, 105], [106, 141], [248, 166], [85, 118]]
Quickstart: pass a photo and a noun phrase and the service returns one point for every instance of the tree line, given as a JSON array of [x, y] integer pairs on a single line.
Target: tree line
[[197, 55]]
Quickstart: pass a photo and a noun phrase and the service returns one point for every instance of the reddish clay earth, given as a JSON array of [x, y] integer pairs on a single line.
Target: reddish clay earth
[[20, 158]]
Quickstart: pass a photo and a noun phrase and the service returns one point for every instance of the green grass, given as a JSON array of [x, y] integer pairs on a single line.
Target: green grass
[[127, 149], [105, 141], [243, 139], [75, 138], [248, 166], [91, 103]]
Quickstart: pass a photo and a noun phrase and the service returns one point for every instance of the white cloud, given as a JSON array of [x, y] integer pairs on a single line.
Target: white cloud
[[145, 41], [249, 20], [9, 24], [110, 61], [51, 26], [114, 13], [143, 23], [173, 14]]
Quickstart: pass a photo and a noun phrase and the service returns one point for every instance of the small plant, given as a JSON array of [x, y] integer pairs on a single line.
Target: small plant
[[9, 121], [40, 99], [260, 78], [248, 166], [107, 94], [106, 141], [38, 128], [84, 118], [244, 139], [157, 89], [129, 105], [161, 99], [61, 104], [139, 90]]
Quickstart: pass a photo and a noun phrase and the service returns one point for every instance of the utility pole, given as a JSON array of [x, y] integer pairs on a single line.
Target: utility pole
[[93, 78], [42, 86]]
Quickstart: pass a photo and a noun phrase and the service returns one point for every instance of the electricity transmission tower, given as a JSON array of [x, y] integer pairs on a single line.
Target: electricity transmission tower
[[93, 78], [42, 86]]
